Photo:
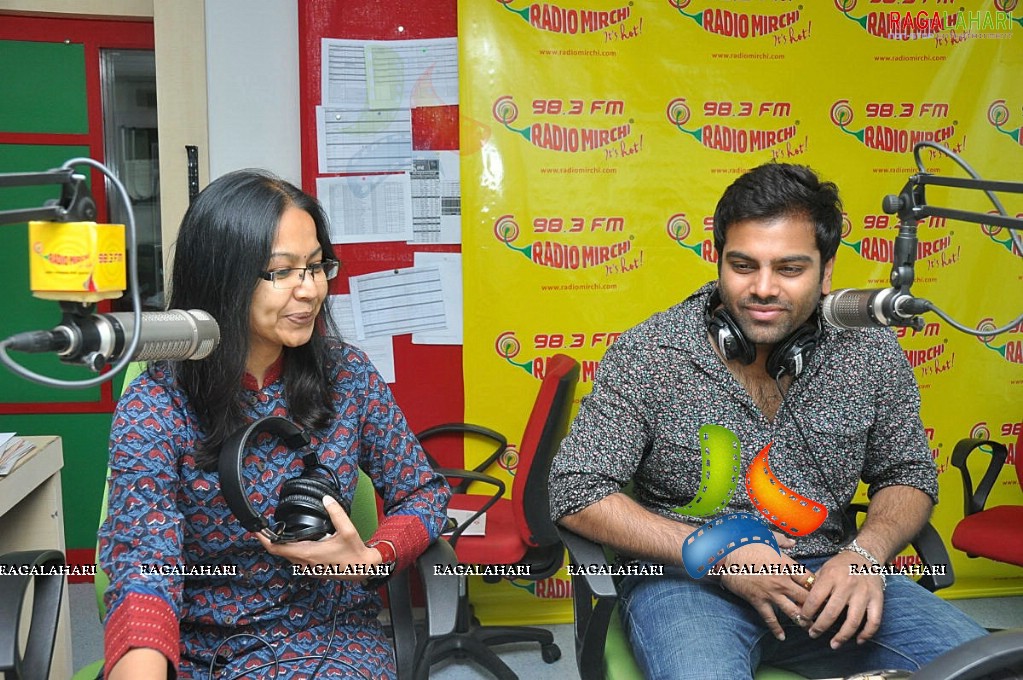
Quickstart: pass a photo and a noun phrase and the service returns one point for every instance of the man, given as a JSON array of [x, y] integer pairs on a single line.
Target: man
[[750, 354]]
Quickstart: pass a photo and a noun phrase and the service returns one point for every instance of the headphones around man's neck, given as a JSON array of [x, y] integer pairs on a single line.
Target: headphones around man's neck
[[300, 515], [789, 356]]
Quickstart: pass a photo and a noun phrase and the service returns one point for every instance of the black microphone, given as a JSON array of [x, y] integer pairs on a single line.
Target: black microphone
[[97, 339], [865, 308]]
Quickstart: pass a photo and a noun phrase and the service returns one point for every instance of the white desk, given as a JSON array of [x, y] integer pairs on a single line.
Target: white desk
[[33, 518]]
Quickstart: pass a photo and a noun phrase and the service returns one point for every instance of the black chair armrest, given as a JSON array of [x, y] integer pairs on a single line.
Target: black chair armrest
[[441, 599], [974, 499], [441, 591], [999, 655], [49, 589], [933, 553], [403, 628], [473, 476], [594, 597], [465, 428], [928, 546]]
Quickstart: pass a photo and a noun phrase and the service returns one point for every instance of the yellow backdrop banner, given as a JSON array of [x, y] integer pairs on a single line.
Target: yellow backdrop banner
[[597, 137]]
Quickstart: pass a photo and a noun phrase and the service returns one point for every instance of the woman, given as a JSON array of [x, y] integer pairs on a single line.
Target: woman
[[254, 251]]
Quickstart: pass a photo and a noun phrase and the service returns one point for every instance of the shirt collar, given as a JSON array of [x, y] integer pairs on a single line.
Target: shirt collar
[[273, 372]]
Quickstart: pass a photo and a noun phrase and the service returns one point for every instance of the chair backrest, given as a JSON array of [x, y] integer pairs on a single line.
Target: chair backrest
[[547, 426]]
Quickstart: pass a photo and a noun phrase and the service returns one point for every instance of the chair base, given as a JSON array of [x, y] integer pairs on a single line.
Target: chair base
[[472, 641], [474, 645]]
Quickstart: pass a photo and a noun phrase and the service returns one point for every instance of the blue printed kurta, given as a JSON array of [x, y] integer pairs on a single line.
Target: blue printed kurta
[[165, 512]]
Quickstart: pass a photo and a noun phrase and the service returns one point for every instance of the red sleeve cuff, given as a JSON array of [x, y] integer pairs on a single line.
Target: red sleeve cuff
[[141, 620], [408, 536]]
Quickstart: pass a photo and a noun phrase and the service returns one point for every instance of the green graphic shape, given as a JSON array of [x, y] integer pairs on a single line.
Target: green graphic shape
[[721, 458], [856, 245]]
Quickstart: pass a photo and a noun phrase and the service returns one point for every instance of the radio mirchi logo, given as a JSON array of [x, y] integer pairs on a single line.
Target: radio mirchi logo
[[921, 121], [611, 24], [1011, 350], [998, 115], [616, 258], [508, 347], [679, 231], [614, 140], [720, 134], [895, 25], [783, 28], [878, 246]]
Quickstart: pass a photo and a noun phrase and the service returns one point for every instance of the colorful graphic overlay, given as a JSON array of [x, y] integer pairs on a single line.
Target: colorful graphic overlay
[[781, 506], [778, 504], [720, 453], [709, 544]]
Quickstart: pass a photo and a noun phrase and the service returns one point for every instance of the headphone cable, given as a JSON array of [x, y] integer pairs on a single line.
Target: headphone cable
[[843, 518]]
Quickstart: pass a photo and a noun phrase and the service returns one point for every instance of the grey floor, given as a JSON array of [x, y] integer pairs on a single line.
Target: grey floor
[[87, 638]]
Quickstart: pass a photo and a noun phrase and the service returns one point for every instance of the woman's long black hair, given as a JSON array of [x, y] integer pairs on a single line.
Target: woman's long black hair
[[225, 241]]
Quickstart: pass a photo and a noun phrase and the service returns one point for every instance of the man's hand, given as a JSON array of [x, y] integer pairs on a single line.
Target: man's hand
[[342, 548], [768, 594], [835, 589]]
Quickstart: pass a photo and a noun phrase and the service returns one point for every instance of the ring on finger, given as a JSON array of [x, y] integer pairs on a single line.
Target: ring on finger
[[810, 580]]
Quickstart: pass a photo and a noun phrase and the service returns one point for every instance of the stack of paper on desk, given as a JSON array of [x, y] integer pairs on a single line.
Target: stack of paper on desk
[[12, 449]]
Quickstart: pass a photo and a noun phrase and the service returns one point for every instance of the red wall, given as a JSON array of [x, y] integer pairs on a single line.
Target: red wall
[[429, 377]]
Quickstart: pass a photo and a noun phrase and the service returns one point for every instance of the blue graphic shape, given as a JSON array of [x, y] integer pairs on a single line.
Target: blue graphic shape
[[709, 544]]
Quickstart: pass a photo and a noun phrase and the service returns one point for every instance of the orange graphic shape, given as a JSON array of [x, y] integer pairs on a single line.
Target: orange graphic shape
[[781, 506]]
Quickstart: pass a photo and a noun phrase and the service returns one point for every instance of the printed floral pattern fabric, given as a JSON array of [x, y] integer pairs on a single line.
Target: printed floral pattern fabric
[[166, 515]]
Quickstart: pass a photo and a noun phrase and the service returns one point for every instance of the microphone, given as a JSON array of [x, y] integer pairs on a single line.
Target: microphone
[[849, 308], [94, 340]]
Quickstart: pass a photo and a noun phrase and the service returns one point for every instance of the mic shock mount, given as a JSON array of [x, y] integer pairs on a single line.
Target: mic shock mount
[[910, 205]]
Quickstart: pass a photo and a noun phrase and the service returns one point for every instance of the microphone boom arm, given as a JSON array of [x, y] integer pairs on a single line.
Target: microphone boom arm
[[911, 206], [75, 204]]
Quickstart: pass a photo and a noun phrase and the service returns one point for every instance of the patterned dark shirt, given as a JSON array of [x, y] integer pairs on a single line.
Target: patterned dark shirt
[[163, 510], [857, 405]]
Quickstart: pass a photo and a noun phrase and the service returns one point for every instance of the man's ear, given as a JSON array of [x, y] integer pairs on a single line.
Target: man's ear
[[826, 276]]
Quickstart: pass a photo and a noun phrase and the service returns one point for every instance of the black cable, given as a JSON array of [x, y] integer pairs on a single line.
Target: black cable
[[333, 627], [1016, 238], [304, 658], [216, 653], [843, 518], [277, 660]]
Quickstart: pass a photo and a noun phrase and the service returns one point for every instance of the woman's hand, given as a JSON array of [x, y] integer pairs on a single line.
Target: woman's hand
[[339, 550]]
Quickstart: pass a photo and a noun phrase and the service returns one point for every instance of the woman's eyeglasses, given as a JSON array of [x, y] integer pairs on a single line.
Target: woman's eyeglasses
[[292, 277]]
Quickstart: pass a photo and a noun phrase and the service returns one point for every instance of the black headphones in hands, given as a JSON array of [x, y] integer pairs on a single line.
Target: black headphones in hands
[[300, 515], [789, 357]]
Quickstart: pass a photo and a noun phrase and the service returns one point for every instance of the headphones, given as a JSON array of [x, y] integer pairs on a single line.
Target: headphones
[[300, 515], [789, 357]]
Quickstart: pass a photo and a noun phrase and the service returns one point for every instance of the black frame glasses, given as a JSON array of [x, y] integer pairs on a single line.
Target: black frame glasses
[[287, 278]]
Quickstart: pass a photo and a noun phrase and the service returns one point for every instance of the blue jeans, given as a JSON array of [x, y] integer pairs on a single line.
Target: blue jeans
[[681, 628]]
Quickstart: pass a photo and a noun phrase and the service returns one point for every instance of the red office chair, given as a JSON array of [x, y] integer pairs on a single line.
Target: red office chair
[[519, 530], [995, 533]]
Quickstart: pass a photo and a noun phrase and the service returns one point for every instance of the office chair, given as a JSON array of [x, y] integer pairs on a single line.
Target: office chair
[[995, 533], [998, 656], [440, 593], [47, 594], [602, 648], [519, 531]]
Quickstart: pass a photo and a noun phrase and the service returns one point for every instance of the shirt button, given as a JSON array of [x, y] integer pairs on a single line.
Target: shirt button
[[254, 400]]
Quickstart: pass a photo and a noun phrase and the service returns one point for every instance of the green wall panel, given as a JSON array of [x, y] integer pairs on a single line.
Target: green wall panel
[[20, 310], [48, 92], [85, 440]]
